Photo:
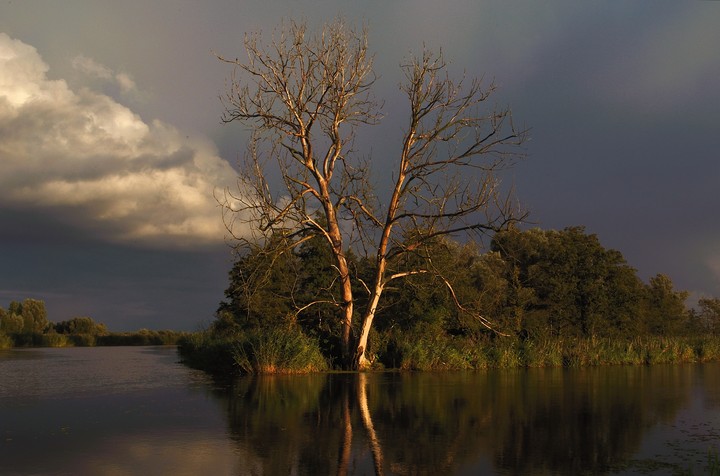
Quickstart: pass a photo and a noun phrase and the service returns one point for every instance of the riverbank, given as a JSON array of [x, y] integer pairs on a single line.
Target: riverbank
[[242, 354]]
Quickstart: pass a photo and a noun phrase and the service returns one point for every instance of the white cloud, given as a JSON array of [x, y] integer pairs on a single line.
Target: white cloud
[[96, 162], [92, 68], [125, 82]]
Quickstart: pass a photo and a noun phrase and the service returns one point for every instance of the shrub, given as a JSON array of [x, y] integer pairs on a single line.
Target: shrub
[[5, 341]]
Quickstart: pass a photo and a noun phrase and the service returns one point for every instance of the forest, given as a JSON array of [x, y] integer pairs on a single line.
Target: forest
[[532, 298]]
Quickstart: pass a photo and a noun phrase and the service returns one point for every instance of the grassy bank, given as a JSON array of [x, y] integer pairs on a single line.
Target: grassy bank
[[282, 352]]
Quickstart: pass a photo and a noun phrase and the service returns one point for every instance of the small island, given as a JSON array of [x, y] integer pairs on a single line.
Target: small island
[[555, 298]]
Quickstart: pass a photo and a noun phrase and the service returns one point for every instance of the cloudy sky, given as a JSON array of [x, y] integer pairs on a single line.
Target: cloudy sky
[[111, 143]]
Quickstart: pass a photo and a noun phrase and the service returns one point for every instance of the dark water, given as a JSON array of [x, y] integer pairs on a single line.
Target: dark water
[[128, 411]]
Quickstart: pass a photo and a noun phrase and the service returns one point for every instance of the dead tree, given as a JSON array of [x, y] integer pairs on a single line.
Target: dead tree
[[304, 96]]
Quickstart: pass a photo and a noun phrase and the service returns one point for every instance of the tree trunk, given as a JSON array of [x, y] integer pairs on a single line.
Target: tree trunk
[[361, 362]]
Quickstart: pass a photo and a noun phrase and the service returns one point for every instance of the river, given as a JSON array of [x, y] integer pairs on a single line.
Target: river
[[137, 411]]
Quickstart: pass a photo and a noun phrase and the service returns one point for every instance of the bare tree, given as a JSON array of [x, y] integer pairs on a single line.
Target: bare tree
[[305, 95]]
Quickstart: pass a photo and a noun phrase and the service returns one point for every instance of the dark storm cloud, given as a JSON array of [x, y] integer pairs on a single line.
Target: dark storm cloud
[[621, 98]]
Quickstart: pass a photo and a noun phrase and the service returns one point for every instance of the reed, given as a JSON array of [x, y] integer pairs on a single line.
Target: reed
[[278, 350], [206, 351], [440, 353], [592, 351]]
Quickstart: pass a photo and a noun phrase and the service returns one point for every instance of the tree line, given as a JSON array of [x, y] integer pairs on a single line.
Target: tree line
[[526, 286], [26, 324]]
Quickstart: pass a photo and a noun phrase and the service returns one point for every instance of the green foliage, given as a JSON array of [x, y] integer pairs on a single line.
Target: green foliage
[[665, 308], [263, 351], [568, 299], [261, 287], [52, 339], [28, 317], [439, 353], [141, 337], [5, 341], [11, 323], [82, 326], [281, 286], [34, 316], [208, 351], [280, 350], [566, 284], [26, 325]]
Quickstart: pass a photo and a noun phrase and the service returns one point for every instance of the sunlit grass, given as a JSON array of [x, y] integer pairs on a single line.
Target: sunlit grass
[[279, 350], [584, 352]]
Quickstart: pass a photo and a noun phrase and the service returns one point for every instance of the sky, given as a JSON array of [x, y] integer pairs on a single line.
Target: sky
[[111, 143]]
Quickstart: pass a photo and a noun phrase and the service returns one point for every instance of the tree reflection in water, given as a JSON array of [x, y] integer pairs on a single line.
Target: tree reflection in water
[[538, 421]]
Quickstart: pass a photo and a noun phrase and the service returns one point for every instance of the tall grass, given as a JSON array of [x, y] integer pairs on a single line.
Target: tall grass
[[208, 352], [278, 350], [266, 351], [289, 350], [583, 352], [444, 352]]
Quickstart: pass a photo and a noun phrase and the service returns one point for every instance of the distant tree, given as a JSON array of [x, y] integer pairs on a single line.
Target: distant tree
[[305, 95], [34, 316], [80, 325], [10, 323], [709, 314], [665, 311]]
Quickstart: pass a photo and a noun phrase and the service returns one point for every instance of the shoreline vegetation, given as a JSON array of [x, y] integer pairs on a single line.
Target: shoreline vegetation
[[25, 324], [276, 354], [136, 338], [554, 298]]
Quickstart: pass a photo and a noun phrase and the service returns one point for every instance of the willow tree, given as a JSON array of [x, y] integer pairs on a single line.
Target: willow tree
[[304, 96]]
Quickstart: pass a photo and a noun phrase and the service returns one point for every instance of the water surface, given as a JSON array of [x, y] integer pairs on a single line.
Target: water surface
[[136, 410]]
